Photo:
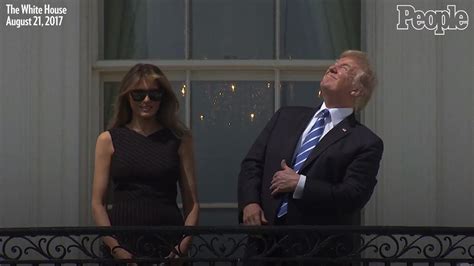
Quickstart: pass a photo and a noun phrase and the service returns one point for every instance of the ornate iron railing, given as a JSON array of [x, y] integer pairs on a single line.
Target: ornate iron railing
[[305, 245]]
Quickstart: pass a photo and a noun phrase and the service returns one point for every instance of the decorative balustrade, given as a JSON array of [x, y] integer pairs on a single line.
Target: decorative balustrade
[[308, 245]]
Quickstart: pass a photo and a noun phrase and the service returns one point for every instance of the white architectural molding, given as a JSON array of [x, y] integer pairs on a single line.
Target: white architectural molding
[[423, 111], [39, 122]]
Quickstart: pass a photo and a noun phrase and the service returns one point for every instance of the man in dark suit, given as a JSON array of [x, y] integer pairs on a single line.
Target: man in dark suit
[[315, 166]]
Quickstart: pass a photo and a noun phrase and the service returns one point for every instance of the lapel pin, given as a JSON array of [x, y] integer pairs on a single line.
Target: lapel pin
[[344, 130]]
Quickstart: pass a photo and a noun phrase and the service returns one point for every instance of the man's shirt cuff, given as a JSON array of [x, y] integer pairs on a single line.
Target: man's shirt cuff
[[298, 193]]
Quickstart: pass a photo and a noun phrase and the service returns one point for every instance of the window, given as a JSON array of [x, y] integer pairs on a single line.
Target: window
[[226, 117], [232, 63]]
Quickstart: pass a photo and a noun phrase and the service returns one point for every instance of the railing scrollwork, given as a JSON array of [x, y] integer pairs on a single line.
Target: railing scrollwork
[[238, 244]]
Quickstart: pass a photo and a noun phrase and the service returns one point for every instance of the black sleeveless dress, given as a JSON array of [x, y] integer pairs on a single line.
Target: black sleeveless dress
[[144, 171]]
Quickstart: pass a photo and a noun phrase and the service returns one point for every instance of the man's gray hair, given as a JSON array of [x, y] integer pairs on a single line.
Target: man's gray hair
[[364, 78]]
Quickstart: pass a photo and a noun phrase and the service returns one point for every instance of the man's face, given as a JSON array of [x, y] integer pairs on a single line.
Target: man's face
[[337, 80]]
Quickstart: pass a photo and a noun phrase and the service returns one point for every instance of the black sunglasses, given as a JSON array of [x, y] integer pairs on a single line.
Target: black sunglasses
[[140, 94]]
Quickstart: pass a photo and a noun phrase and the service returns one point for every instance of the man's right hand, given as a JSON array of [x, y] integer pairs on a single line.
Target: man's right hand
[[253, 215]]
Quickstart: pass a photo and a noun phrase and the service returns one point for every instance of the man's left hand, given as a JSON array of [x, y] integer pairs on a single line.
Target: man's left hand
[[285, 180]]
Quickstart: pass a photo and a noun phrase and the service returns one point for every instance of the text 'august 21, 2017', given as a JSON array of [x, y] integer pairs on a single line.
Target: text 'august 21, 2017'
[[29, 15]]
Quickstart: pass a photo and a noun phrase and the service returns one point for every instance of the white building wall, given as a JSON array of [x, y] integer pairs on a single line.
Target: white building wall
[[39, 120], [423, 110]]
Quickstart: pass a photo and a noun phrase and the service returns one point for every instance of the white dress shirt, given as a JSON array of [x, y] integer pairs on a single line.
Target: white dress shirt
[[336, 115]]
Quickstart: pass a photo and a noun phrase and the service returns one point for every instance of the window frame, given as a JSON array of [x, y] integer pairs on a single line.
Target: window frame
[[188, 70]]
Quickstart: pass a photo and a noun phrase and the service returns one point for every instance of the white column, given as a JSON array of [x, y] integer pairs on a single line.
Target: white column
[[423, 111], [39, 120]]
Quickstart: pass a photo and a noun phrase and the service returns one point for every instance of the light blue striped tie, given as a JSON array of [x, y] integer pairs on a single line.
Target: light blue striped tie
[[310, 141]]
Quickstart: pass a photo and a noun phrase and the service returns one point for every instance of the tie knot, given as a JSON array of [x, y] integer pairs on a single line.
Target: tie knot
[[324, 113]]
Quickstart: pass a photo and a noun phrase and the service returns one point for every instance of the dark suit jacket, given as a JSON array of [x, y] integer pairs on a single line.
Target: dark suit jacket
[[340, 171]]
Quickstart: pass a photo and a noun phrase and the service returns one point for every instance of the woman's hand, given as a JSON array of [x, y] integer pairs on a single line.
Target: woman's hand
[[121, 254], [179, 251]]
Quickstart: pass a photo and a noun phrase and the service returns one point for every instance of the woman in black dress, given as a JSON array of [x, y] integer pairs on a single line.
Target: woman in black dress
[[146, 152]]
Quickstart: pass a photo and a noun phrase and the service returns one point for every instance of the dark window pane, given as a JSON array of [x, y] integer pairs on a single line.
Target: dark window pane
[[110, 93], [300, 93], [233, 29], [137, 29], [226, 119], [319, 29]]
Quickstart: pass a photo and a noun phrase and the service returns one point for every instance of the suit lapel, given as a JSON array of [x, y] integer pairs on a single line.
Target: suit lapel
[[295, 133], [341, 130]]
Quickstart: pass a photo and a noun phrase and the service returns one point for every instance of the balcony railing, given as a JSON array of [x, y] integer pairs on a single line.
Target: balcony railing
[[293, 245]]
